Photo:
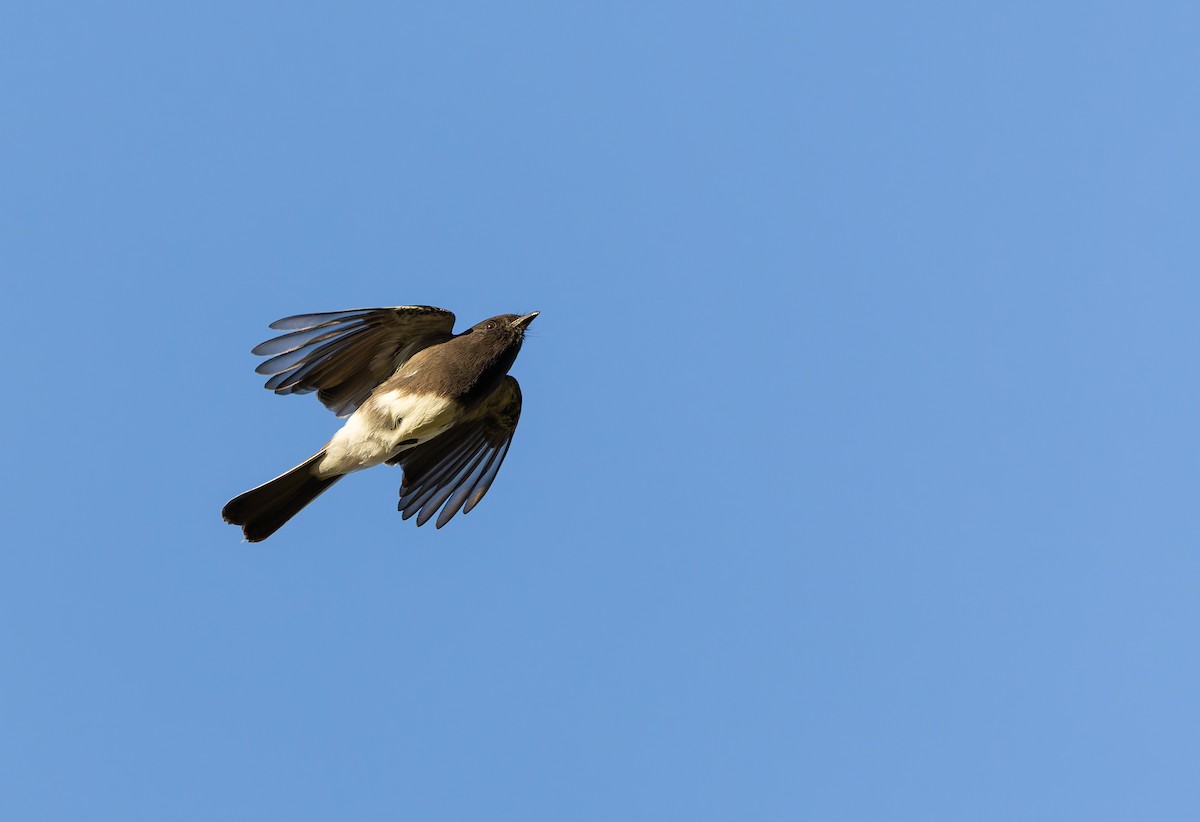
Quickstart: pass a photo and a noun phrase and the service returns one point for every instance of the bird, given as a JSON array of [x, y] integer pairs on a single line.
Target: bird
[[415, 394]]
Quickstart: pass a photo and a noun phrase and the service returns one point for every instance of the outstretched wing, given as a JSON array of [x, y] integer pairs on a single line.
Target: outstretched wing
[[343, 355], [459, 465]]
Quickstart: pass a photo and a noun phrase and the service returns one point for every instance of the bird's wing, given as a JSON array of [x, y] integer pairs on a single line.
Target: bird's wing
[[343, 355], [459, 465]]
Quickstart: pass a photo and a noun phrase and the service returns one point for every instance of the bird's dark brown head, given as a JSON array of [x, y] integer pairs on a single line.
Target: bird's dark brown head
[[502, 334], [488, 349], [505, 326]]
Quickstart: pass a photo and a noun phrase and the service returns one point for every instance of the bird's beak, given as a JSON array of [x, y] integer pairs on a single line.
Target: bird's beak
[[521, 323]]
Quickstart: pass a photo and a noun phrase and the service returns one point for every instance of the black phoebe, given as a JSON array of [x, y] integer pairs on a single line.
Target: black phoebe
[[437, 403]]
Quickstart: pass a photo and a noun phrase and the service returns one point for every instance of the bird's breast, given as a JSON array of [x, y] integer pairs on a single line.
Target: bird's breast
[[374, 432], [414, 414]]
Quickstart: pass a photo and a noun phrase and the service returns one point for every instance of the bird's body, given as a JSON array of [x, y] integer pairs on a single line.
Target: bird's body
[[437, 403]]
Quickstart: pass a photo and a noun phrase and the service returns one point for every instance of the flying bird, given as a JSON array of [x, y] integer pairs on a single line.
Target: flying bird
[[439, 404]]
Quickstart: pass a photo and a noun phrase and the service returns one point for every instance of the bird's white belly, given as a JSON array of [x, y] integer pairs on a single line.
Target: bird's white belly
[[374, 432]]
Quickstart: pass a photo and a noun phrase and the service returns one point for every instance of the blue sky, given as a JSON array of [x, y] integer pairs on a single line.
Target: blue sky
[[856, 477]]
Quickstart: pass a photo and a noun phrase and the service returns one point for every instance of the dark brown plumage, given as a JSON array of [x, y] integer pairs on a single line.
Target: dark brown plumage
[[263, 510], [438, 404]]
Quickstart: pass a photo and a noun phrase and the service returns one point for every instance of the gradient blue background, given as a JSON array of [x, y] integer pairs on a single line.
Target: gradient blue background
[[857, 474]]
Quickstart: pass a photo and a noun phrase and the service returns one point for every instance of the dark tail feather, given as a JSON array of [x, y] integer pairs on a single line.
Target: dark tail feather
[[263, 510]]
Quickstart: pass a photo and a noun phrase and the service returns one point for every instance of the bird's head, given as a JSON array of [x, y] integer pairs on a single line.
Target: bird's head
[[509, 328]]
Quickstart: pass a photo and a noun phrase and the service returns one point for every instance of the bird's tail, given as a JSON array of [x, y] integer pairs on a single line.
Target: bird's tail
[[263, 510]]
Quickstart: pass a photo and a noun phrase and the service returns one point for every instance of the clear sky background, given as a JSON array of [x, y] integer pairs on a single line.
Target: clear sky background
[[857, 475]]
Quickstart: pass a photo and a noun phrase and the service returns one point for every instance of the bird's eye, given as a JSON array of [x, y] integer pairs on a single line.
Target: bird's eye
[[489, 326]]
